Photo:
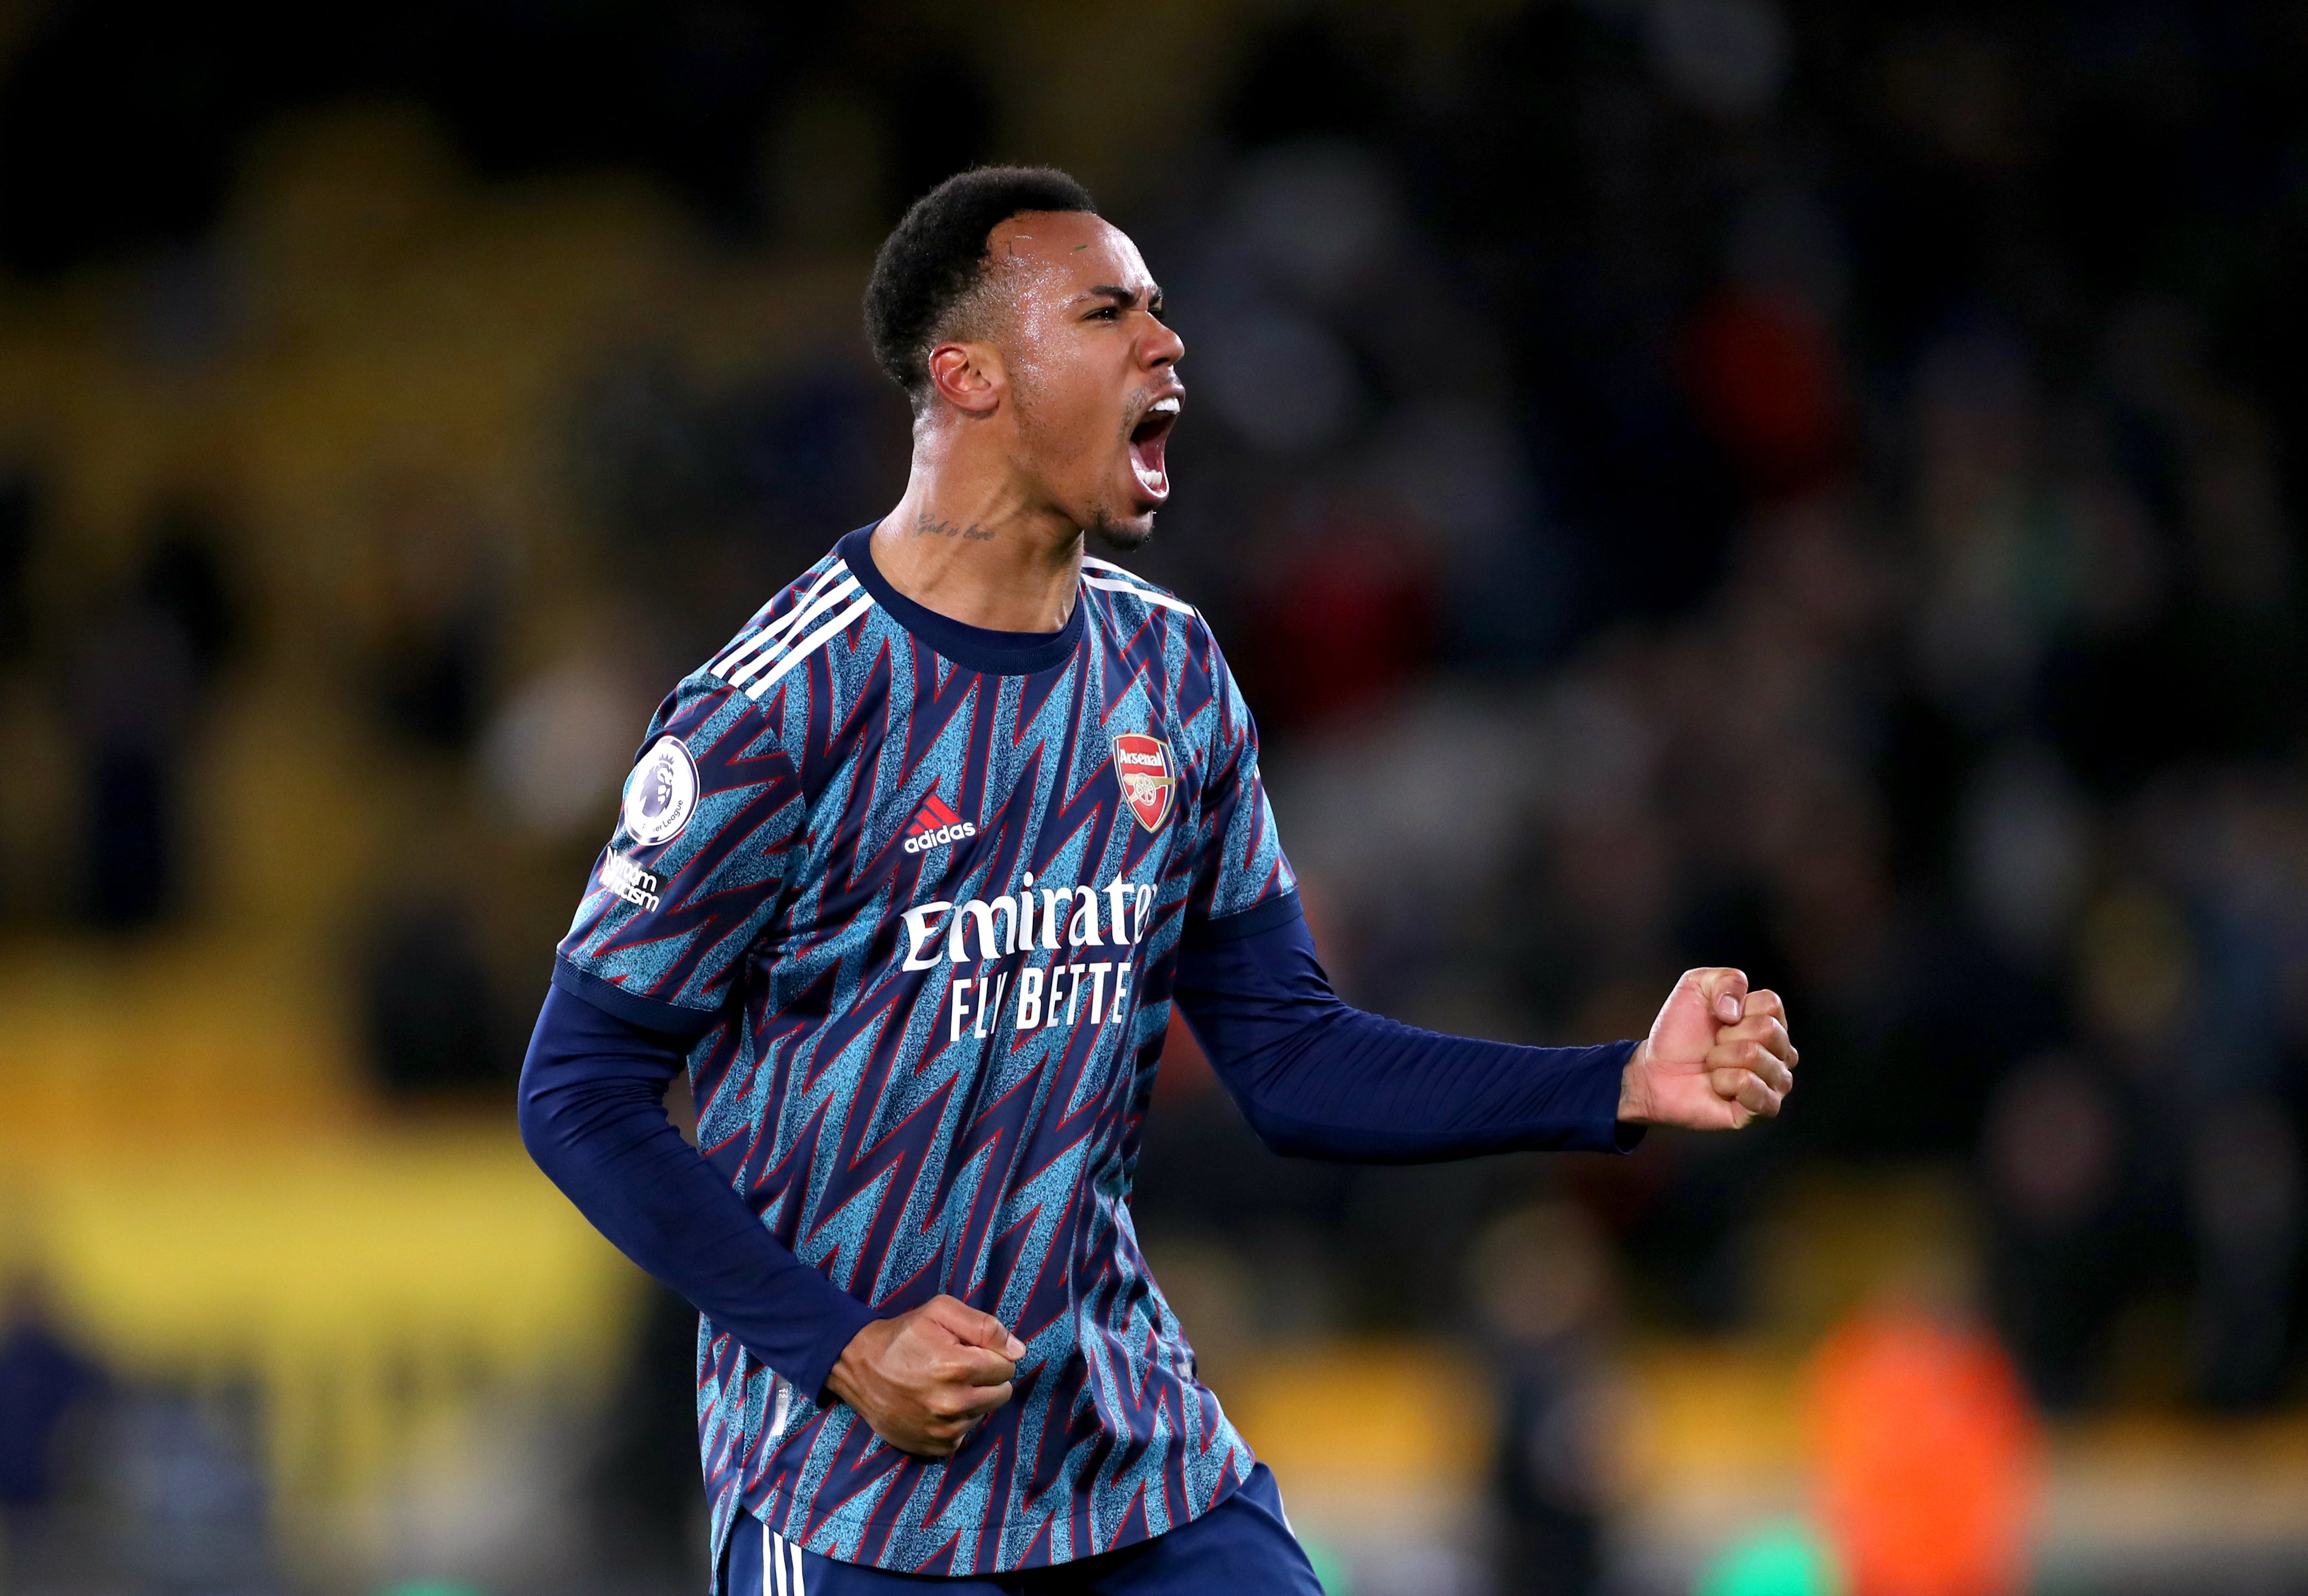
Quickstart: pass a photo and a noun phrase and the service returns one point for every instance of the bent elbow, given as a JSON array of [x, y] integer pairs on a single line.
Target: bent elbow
[[1287, 1144], [1272, 1137], [535, 1120], [1283, 1136]]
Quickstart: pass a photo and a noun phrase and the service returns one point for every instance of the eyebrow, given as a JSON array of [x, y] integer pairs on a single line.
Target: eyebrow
[[1125, 297]]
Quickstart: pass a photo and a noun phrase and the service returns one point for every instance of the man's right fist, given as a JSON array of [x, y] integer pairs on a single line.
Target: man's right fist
[[924, 1379]]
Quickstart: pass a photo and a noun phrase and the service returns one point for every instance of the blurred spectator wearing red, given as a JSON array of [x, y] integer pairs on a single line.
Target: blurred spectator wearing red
[[1927, 1453], [1763, 371]]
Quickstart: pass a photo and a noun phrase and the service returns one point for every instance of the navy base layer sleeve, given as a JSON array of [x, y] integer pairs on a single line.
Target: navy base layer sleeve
[[592, 1115], [1315, 1077], [1318, 1079]]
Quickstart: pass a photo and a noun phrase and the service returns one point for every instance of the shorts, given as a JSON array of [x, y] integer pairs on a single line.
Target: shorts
[[1243, 1546]]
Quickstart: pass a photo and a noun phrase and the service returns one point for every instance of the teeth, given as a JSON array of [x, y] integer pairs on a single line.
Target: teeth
[[1163, 406]]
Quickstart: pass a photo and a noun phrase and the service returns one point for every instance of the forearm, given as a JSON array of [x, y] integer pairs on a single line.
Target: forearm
[[1319, 1079], [592, 1115]]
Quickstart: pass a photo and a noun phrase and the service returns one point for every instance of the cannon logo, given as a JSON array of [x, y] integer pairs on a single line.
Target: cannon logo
[[1148, 777]]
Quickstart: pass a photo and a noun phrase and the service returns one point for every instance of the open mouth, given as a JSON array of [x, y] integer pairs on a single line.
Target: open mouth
[[1148, 440]]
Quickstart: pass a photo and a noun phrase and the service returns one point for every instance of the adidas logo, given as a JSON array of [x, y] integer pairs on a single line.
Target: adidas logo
[[934, 825]]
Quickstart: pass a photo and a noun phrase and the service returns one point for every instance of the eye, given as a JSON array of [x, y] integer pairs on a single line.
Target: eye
[[1104, 312]]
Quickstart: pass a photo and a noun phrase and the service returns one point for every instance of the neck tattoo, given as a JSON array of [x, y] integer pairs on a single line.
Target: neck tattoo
[[926, 522]]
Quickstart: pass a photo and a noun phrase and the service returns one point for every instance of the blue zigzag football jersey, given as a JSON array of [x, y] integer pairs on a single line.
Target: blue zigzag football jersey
[[925, 885]]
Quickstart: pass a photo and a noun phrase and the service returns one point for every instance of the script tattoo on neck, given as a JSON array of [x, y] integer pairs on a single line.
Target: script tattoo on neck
[[923, 521]]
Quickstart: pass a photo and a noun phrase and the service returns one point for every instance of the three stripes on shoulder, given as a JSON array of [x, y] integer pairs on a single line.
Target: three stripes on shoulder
[[1103, 574], [762, 660], [836, 599]]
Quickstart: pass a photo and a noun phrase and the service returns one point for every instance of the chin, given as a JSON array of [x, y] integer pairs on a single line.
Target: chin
[[1123, 534]]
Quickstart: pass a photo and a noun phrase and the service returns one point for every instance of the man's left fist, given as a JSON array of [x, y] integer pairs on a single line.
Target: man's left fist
[[1718, 1056]]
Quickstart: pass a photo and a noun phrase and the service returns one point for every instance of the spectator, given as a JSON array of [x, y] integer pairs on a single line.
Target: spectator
[[1539, 1279], [46, 1387]]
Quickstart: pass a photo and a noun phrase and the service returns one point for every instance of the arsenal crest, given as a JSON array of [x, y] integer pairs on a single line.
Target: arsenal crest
[[1148, 777]]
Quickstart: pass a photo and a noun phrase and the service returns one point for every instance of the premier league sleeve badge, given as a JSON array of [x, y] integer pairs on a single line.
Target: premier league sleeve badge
[[661, 794], [1149, 774]]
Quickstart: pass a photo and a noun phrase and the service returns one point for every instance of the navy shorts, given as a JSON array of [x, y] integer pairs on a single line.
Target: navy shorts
[[1243, 1546]]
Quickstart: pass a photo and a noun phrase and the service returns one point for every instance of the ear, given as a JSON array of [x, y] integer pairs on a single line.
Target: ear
[[967, 375]]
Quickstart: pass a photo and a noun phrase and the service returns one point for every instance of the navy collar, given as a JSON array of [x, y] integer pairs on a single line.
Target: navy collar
[[1002, 653]]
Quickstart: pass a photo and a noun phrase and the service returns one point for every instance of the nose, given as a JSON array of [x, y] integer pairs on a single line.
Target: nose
[[1165, 348]]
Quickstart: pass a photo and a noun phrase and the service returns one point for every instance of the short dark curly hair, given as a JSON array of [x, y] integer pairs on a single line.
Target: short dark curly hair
[[930, 263]]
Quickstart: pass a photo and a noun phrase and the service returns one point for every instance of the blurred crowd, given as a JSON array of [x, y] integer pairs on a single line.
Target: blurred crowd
[[1680, 481], [1638, 558]]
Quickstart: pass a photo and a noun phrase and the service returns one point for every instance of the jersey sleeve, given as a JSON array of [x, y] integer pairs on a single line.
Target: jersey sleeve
[[708, 835], [1243, 880]]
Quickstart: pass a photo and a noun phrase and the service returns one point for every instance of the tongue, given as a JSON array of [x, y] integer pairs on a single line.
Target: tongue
[[1146, 461]]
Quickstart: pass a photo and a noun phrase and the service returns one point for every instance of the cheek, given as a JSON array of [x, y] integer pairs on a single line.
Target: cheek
[[1061, 407]]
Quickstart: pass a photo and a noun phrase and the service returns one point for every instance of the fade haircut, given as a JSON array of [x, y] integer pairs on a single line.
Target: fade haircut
[[935, 260]]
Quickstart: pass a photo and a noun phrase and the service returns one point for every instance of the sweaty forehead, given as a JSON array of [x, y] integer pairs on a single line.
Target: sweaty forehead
[[1069, 249]]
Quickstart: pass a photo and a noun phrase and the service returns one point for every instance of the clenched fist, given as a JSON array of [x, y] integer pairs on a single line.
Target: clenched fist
[[924, 1379], [1718, 1056]]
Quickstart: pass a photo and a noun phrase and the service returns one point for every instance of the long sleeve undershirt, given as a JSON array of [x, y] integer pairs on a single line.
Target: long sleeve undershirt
[[1318, 1079], [592, 1115], [1315, 1078]]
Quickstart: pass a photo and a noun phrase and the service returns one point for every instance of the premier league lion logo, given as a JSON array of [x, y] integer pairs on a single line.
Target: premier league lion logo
[[661, 794]]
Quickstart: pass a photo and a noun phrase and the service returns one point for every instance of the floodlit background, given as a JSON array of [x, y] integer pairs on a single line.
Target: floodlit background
[[1760, 481]]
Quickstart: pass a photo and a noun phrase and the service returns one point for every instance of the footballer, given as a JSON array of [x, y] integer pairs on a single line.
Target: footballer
[[907, 877]]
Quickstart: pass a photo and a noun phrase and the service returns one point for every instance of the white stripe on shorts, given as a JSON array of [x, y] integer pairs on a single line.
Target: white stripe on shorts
[[776, 1580]]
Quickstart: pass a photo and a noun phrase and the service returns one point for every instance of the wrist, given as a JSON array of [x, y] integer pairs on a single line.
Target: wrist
[[845, 1378], [1634, 1086]]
